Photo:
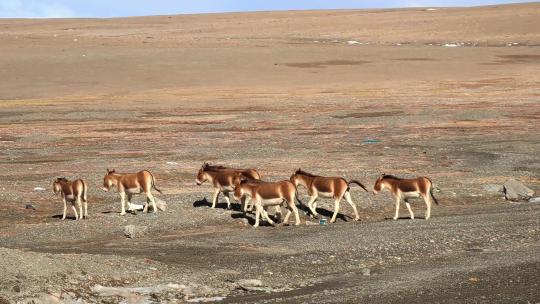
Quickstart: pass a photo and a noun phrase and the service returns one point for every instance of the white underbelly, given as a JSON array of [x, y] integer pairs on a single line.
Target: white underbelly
[[70, 197], [325, 194], [133, 190], [411, 194], [227, 189], [271, 201]]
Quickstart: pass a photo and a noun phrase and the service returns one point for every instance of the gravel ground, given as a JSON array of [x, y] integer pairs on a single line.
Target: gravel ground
[[167, 93]]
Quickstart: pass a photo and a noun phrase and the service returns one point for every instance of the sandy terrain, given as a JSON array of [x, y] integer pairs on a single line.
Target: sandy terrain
[[452, 94]]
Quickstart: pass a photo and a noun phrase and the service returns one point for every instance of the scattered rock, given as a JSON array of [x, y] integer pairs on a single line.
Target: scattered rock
[[366, 272], [204, 300], [39, 189], [253, 285], [534, 200], [515, 191], [30, 206], [453, 44], [250, 283], [132, 231], [130, 292]]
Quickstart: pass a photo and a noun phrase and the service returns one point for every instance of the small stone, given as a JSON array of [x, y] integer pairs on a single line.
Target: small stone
[[366, 272], [534, 200], [16, 288], [253, 285]]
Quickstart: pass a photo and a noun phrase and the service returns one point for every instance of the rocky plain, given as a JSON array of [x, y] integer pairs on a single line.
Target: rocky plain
[[448, 93]]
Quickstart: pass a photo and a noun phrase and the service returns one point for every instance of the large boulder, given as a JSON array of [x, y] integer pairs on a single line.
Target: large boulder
[[516, 191]]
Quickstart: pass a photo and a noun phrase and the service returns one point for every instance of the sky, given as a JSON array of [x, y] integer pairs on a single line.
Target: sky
[[123, 8]]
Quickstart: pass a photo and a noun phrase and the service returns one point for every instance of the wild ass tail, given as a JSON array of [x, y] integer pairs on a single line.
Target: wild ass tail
[[357, 183], [84, 188], [431, 191], [154, 183]]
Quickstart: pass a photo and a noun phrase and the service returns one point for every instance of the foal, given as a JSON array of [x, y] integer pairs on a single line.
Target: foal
[[222, 179], [405, 189], [74, 192], [128, 184], [321, 186]]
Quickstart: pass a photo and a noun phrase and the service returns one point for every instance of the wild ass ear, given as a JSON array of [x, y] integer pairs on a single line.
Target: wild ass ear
[[110, 171]]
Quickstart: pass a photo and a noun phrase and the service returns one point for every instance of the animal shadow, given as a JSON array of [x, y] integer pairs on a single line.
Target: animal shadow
[[202, 203], [328, 213], [205, 203], [134, 212], [59, 216], [406, 218], [251, 219]]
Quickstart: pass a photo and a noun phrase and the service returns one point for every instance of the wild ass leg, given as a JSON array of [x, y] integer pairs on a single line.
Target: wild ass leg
[[85, 209], [349, 200], [336, 210], [427, 199], [244, 202], [79, 204], [398, 200], [409, 208], [123, 203], [129, 196], [286, 219], [291, 208], [75, 211], [265, 215], [258, 208], [295, 211], [312, 204], [215, 197], [150, 199], [65, 209], [250, 204], [227, 199], [278, 212]]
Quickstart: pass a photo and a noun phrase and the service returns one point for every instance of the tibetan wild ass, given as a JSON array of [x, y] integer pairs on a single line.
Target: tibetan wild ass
[[73, 192], [405, 189], [266, 194], [128, 184], [330, 187], [222, 179]]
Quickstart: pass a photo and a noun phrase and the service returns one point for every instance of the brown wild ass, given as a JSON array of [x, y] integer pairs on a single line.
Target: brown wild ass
[[73, 192], [222, 179], [330, 187], [405, 189], [266, 194], [128, 184]]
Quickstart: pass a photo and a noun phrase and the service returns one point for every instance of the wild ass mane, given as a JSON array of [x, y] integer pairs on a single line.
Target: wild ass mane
[[299, 171]]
